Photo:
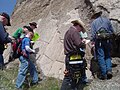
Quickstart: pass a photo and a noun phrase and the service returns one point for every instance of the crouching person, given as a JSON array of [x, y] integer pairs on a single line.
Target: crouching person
[[26, 63]]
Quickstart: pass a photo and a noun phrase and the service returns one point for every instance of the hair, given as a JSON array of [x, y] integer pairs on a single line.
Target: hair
[[31, 33], [75, 24]]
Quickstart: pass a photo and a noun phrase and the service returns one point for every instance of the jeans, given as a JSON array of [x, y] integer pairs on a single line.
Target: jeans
[[1, 61], [26, 65], [103, 49]]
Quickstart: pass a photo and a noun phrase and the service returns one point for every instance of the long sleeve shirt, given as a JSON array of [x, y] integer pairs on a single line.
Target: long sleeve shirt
[[101, 22], [72, 41], [3, 35], [26, 46]]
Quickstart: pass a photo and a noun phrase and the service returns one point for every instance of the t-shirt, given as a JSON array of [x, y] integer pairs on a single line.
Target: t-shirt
[[18, 33], [25, 42], [35, 37]]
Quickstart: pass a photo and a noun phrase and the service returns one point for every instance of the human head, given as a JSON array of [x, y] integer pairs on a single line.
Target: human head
[[27, 29], [30, 34], [33, 25], [5, 19], [79, 25], [96, 13]]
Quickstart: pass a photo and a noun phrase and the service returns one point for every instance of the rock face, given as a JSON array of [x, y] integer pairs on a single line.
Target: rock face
[[53, 18], [112, 7]]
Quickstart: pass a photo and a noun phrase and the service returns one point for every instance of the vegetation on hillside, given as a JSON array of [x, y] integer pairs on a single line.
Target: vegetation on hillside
[[8, 77]]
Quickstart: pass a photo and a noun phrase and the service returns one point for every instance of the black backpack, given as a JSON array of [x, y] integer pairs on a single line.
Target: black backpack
[[103, 34]]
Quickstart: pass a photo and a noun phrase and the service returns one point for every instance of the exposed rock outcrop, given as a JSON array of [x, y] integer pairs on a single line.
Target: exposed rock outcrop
[[53, 18]]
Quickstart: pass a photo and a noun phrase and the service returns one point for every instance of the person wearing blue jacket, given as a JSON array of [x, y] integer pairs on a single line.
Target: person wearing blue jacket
[[26, 64], [102, 46], [4, 36]]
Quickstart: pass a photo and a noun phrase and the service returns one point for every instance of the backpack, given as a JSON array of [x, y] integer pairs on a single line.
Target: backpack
[[103, 34], [16, 46]]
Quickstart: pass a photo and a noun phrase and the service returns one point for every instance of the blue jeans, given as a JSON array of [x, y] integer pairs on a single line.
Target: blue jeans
[[1, 61], [26, 65], [103, 49]]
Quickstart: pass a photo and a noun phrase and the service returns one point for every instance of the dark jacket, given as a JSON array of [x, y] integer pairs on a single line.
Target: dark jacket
[[3, 37], [72, 41]]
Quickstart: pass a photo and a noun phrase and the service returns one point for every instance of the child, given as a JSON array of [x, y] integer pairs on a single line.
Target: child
[[26, 64]]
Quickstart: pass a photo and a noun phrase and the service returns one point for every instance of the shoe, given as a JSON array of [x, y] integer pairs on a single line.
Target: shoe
[[103, 77], [32, 84], [85, 81], [114, 65], [109, 75], [18, 89], [2, 67]]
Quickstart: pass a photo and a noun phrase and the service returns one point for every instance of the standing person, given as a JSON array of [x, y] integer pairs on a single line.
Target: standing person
[[33, 25], [4, 36], [21, 31], [102, 31], [72, 45], [26, 63], [18, 36]]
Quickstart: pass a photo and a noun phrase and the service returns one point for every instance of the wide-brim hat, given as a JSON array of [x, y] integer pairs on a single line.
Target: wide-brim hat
[[6, 16], [79, 22], [97, 12], [34, 24]]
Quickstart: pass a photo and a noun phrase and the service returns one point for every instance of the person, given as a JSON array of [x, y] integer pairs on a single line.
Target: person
[[4, 36], [33, 25], [101, 26], [26, 63], [20, 31], [17, 37], [72, 45], [84, 37]]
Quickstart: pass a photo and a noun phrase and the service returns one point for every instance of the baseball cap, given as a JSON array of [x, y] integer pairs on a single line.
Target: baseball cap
[[6, 16], [29, 28]]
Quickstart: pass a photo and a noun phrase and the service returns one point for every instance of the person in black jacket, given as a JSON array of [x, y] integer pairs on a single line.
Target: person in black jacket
[[4, 36]]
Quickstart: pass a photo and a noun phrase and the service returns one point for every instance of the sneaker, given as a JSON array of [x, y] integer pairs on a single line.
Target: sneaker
[[109, 75]]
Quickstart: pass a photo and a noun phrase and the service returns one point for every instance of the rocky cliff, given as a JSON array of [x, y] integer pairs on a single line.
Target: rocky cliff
[[53, 18]]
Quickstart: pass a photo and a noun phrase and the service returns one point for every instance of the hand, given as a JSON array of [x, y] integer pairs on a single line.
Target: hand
[[13, 40], [32, 42], [93, 44], [82, 45], [84, 40], [33, 51], [66, 72], [24, 54]]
